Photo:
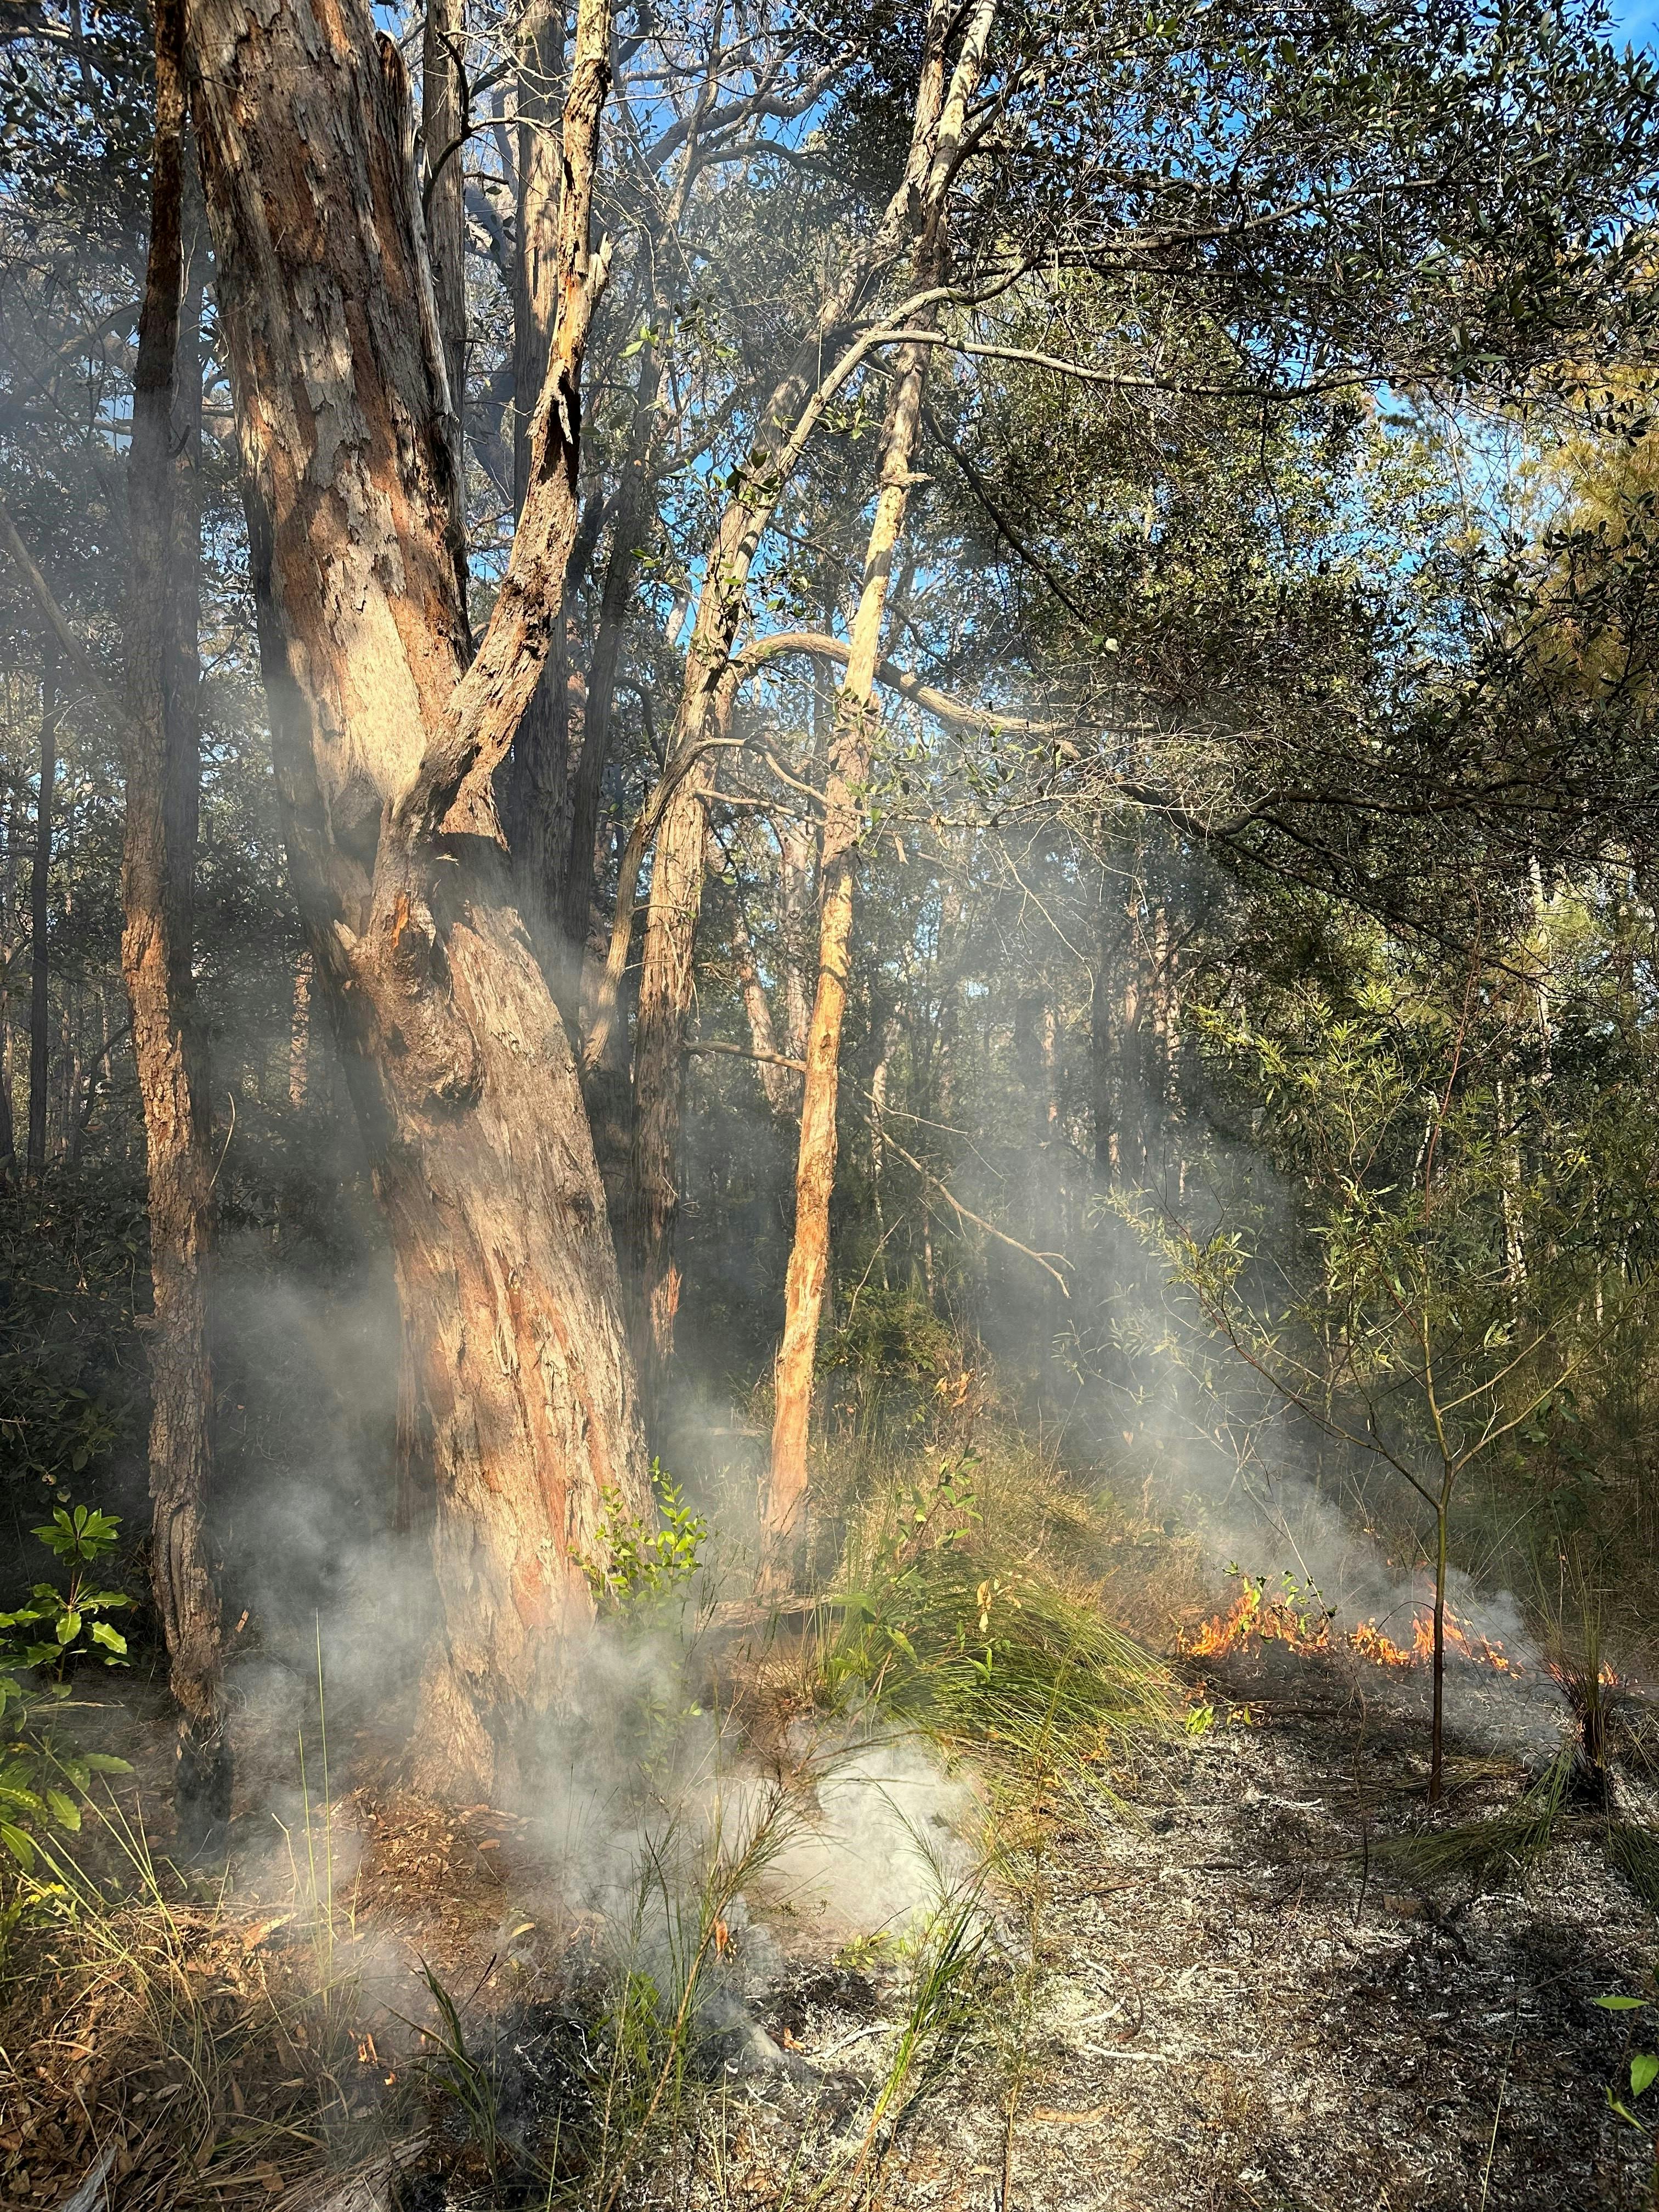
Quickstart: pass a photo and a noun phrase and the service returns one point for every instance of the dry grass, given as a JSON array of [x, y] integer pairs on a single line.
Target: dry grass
[[361, 1986], [220, 2051]]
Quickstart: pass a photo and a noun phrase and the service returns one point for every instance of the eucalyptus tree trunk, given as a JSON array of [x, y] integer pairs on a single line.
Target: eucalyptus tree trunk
[[850, 748], [163, 782], [783, 426], [634, 509], [387, 742], [40, 918]]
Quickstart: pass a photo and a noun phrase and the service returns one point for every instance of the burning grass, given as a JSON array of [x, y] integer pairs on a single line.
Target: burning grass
[[1257, 1617]]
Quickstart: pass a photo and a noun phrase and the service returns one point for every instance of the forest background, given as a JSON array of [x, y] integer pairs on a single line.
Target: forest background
[[1055, 806]]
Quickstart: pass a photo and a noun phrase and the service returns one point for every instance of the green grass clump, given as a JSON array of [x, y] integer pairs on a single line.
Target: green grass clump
[[940, 1626], [1481, 1850]]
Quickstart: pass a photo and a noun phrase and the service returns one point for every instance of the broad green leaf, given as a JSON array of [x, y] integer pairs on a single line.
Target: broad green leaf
[[110, 1638], [18, 1844], [67, 1813], [1620, 2004]]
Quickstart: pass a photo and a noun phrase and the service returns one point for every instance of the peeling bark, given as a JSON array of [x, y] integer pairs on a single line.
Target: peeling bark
[[387, 743]]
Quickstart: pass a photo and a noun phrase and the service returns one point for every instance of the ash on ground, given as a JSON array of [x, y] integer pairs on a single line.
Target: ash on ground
[[1236, 2006]]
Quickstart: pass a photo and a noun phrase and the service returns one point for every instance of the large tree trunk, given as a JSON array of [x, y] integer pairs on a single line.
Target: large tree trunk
[[157, 879], [849, 770], [783, 426], [39, 918], [387, 744]]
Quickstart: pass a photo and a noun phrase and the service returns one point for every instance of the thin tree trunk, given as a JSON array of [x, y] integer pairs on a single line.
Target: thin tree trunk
[[634, 488], [783, 426], [888, 1034], [780, 1085], [387, 744], [634, 509], [9, 1165], [8, 1132], [1105, 1062], [538, 777], [158, 862], [653, 1200], [795, 844], [299, 1035], [849, 769], [443, 124], [40, 915]]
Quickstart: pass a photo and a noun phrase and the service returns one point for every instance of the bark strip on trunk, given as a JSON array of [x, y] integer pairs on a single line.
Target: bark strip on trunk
[[157, 872], [41, 918], [849, 769], [387, 742]]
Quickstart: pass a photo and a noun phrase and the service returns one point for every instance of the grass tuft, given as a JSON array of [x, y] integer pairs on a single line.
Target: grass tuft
[[960, 1612]]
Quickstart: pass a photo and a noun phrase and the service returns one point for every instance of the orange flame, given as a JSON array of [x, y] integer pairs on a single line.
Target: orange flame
[[1254, 1619]]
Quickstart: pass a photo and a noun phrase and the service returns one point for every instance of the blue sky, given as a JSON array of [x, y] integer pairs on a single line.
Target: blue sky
[[1638, 20]]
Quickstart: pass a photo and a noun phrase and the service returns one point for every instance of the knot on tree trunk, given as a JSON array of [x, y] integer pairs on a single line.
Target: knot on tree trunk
[[431, 1055]]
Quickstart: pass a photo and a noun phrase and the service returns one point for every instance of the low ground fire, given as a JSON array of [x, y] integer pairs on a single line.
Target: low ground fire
[[1257, 1617]]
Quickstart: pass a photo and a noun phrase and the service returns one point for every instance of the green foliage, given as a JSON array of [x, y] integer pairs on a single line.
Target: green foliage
[[63, 1624], [71, 1371], [937, 1625], [471, 2082], [1643, 2065], [75, 1618], [892, 1332], [635, 1568]]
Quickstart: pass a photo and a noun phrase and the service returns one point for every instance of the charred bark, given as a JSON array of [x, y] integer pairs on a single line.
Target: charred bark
[[157, 876], [443, 128], [387, 744], [634, 509]]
